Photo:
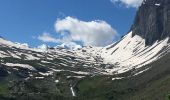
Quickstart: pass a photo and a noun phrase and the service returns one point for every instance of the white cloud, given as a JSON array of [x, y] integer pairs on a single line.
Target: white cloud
[[42, 47], [96, 33], [70, 45], [23, 45], [128, 3], [46, 37], [73, 32]]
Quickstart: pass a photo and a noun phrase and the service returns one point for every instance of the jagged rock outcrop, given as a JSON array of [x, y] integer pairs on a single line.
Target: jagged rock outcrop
[[152, 21]]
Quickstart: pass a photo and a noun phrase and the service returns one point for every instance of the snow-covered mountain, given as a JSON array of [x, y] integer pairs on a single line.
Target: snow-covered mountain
[[147, 41], [129, 53], [65, 58], [135, 57]]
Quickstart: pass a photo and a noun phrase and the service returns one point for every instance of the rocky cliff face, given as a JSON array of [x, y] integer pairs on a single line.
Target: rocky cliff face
[[152, 21]]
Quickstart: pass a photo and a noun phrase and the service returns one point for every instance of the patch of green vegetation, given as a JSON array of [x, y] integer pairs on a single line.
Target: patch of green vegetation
[[150, 85], [167, 97], [4, 89]]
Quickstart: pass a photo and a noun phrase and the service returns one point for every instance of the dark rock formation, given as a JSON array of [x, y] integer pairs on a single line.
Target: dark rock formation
[[3, 72], [152, 20]]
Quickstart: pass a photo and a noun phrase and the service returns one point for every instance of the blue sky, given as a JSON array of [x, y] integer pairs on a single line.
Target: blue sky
[[24, 20]]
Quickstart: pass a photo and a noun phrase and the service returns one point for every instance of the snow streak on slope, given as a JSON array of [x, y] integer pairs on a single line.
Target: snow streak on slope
[[131, 52], [20, 65]]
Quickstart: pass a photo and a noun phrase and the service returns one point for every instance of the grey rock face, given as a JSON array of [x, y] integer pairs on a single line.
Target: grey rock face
[[152, 21]]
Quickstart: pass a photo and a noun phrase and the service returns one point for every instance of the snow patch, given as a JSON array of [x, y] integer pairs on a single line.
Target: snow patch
[[117, 78], [56, 81], [157, 4], [48, 73], [72, 91], [20, 65]]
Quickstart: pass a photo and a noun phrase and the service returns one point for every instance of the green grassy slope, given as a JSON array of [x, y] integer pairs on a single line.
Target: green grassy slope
[[153, 84]]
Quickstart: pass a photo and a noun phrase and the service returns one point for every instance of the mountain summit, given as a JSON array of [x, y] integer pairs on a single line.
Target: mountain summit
[[152, 21]]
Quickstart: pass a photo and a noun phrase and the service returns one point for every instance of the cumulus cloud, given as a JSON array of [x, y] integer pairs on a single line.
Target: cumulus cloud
[[46, 37], [75, 33], [96, 33], [129, 3], [70, 45], [42, 47]]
